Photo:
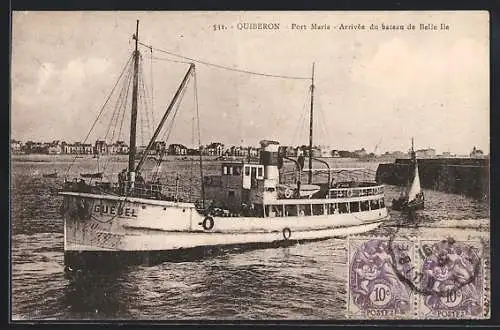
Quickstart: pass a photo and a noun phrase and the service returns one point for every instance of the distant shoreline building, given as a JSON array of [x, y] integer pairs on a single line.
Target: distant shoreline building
[[102, 147], [425, 153]]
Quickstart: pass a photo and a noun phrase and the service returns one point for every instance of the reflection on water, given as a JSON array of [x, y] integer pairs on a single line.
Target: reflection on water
[[296, 282], [90, 293]]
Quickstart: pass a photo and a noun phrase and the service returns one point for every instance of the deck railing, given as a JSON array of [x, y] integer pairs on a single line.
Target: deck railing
[[140, 190], [356, 191]]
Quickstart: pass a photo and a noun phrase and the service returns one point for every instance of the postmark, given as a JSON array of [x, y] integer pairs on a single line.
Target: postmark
[[452, 279], [414, 278], [448, 276], [374, 289]]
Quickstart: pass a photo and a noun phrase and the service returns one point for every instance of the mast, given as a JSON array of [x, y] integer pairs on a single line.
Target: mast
[[311, 127], [133, 120], [411, 166]]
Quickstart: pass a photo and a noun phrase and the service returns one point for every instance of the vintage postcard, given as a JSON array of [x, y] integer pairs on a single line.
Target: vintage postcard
[[250, 165]]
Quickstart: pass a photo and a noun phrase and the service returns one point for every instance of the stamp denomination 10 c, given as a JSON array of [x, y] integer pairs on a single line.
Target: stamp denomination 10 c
[[416, 279]]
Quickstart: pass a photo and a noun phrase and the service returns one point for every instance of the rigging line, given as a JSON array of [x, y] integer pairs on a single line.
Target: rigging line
[[170, 128], [303, 124], [199, 140], [325, 123], [124, 105], [191, 178], [119, 101], [113, 120], [152, 90], [120, 108], [145, 97], [170, 60], [321, 124], [121, 105], [100, 112], [223, 66], [141, 115], [299, 127]]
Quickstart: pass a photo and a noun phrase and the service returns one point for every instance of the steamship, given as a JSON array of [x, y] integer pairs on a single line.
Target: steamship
[[248, 203]]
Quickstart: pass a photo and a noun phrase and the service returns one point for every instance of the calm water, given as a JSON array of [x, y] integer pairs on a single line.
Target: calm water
[[306, 281]]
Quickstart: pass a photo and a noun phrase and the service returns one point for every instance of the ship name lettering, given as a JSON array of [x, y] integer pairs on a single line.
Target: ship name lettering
[[113, 210]]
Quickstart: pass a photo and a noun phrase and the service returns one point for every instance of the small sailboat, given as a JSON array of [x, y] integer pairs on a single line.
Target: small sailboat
[[95, 175], [412, 198]]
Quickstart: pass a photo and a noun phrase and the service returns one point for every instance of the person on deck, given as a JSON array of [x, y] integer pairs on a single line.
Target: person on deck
[[122, 177], [157, 188], [139, 182], [82, 185]]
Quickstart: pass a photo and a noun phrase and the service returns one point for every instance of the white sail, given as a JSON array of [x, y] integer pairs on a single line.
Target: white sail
[[415, 186]]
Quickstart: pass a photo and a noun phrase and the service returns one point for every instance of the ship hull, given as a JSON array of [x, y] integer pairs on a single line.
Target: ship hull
[[100, 227], [404, 206]]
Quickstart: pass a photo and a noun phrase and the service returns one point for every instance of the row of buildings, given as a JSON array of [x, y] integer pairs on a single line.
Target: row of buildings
[[61, 147], [212, 149]]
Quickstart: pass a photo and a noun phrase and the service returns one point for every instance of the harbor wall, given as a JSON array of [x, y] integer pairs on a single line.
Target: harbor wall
[[466, 176]]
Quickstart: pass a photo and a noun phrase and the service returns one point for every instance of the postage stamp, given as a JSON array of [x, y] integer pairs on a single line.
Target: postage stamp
[[374, 288], [453, 279], [417, 279]]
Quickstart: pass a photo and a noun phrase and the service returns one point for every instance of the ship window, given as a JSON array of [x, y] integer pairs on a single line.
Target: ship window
[[259, 172], [230, 170], [237, 171], [230, 193], [354, 207], [273, 211], [224, 170], [305, 209], [382, 204], [258, 210], [254, 172], [365, 205], [318, 209], [278, 210], [247, 170], [374, 204], [334, 209], [290, 210], [343, 208]]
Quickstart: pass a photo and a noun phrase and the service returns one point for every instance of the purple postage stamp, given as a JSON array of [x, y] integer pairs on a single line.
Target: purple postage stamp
[[375, 290], [417, 279], [453, 281]]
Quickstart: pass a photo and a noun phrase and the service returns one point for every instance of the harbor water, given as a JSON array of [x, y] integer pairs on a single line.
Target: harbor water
[[303, 281]]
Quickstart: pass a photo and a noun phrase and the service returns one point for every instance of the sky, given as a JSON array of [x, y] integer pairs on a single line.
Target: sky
[[373, 88]]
